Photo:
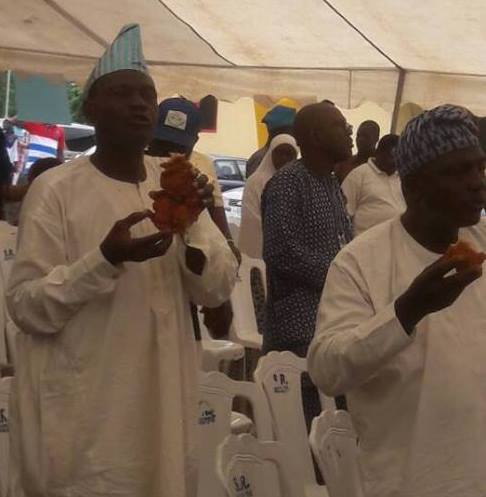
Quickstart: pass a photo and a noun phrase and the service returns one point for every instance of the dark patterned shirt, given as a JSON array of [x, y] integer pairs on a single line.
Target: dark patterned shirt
[[305, 224]]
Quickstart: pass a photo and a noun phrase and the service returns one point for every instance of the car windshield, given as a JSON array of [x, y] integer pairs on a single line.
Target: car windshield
[[228, 169]]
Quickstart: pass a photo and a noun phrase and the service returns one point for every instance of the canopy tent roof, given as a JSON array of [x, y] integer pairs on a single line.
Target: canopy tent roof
[[388, 51]]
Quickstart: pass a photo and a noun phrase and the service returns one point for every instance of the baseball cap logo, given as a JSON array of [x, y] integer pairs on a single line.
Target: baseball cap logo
[[176, 119]]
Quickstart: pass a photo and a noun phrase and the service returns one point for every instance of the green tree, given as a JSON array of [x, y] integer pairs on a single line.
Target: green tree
[[75, 95]]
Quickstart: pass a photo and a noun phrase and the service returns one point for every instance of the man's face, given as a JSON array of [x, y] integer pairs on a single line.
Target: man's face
[[333, 134], [385, 160], [123, 107], [366, 138], [454, 188]]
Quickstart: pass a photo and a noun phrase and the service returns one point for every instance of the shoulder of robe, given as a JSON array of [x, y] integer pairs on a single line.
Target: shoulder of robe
[[369, 247], [49, 187]]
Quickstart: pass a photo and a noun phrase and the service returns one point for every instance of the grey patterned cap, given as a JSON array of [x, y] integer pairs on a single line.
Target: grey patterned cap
[[433, 134], [125, 52]]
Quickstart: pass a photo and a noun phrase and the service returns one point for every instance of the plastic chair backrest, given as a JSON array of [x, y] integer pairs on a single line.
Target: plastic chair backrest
[[245, 327], [279, 374], [334, 444], [5, 386], [248, 467], [213, 352], [217, 392]]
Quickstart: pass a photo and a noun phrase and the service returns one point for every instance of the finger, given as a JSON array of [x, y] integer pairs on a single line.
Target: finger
[[159, 249], [147, 241], [441, 267], [156, 194], [201, 181], [206, 193], [134, 218], [462, 279]]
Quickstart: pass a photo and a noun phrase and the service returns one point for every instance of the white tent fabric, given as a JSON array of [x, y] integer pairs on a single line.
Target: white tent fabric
[[427, 52]]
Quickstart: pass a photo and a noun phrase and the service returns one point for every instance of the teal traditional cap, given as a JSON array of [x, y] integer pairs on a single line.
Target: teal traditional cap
[[124, 53]]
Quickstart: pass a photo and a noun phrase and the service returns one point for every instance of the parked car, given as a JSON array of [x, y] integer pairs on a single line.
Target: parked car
[[232, 204], [231, 171]]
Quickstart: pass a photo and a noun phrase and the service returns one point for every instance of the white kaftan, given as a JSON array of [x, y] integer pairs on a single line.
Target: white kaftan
[[105, 395], [417, 402], [372, 195], [250, 240], [8, 242]]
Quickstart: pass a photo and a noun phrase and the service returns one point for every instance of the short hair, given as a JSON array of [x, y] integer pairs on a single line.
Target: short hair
[[387, 143], [306, 119], [371, 124], [482, 132], [41, 166]]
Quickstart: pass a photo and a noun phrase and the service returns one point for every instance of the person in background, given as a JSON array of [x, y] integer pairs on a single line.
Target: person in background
[[366, 139], [401, 327], [282, 150], [8, 242], [305, 224], [11, 142], [373, 190], [177, 131], [105, 395], [279, 121], [40, 166], [6, 167]]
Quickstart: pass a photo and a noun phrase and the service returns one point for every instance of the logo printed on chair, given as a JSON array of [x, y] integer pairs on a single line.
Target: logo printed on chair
[[242, 487], [3, 422], [207, 414], [281, 383], [8, 254]]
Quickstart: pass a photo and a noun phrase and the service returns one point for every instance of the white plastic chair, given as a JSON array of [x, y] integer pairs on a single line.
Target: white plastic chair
[[217, 392], [5, 386], [279, 374], [214, 352], [245, 328], [334, 444], [234, 228], [248, 467]]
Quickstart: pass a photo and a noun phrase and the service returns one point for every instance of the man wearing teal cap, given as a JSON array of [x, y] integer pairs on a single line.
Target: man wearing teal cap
[[105, 397], [279, 121]]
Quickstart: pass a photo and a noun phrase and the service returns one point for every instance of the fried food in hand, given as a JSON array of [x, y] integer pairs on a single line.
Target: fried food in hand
[[178, 205], [466, 256]]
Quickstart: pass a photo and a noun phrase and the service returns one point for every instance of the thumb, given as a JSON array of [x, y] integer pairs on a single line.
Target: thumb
[[135, 218]]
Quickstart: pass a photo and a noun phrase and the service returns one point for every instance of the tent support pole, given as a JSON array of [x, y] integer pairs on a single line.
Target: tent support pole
[[398, 99], [7, 93]]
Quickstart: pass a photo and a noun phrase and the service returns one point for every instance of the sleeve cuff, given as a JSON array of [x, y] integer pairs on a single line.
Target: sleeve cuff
[[388, 333], [95, 262], [196, 236]]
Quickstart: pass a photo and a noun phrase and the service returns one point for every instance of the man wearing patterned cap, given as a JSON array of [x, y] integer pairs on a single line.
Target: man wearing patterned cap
[[105, 395], [402, 329]]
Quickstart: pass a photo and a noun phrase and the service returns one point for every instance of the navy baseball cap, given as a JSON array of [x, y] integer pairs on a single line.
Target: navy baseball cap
[[179, 122]]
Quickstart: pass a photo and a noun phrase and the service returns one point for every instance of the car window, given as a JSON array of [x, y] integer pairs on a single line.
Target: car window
[[227, 169], [242, 167]]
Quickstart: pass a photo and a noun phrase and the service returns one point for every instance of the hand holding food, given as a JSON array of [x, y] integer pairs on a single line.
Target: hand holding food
[[465, 255], [184, 195]]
